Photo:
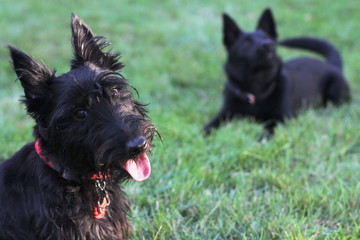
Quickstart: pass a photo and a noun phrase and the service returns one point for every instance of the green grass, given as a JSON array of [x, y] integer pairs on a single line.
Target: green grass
[[304, 184]]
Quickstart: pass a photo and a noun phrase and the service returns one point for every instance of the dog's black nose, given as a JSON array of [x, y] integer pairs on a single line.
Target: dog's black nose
[[267, 46], [136, 145]]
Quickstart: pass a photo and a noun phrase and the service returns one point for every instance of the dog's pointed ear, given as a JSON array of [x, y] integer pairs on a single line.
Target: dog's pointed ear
[[89, 48], [34, 78], [81, 35], [267, 23], [33, 75], [231, 31]]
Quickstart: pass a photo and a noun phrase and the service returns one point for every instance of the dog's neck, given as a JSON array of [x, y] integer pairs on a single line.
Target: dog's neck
[[250, 97], [247, 96], [243, 96], [64, 173], [103, 199]]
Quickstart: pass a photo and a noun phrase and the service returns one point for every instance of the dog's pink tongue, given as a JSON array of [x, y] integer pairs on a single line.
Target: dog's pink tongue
[[139, 168]]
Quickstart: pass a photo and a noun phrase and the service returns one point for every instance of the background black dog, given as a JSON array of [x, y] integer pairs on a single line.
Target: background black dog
[[261, 86], [90, 135]]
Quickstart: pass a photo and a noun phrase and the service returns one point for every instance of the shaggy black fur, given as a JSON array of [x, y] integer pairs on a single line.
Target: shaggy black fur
[[261, 86], [87, 123]]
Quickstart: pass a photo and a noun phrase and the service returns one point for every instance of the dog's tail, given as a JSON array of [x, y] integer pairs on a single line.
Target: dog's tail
[[317, 45]]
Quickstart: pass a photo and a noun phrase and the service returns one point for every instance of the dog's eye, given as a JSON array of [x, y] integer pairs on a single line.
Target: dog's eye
[[80, 114]]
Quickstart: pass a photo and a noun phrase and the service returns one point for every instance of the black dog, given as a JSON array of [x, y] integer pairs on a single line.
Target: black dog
[[261, 86], [90, 134]]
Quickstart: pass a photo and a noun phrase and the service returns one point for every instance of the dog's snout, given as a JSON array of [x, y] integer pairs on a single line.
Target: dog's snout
[[136, 145]]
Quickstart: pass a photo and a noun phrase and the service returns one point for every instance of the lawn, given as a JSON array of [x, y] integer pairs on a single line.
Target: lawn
[[303, 184]]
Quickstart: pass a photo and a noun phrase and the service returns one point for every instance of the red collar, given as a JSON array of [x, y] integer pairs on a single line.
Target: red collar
[[64, 173], [102, 198]]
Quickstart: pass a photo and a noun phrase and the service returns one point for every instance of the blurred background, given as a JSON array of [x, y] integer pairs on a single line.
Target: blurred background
[[303, 184]]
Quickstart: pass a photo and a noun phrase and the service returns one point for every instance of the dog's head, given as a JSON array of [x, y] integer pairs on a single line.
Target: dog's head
[[87, 120], [250, 53]]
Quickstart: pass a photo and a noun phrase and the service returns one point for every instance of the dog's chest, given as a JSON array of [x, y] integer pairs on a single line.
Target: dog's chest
[[263, 110]]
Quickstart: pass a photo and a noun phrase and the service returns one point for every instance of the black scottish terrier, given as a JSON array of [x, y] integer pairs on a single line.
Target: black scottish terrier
[[90, 134], [261, 86]]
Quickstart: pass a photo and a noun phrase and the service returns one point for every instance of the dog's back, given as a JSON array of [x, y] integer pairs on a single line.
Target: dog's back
[[16, 194], [311, 79]]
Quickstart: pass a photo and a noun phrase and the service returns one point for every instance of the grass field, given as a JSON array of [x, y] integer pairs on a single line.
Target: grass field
[[303, 184]]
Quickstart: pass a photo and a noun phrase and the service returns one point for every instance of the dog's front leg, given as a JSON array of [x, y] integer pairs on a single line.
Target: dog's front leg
[[223, 116], [269, 130]]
